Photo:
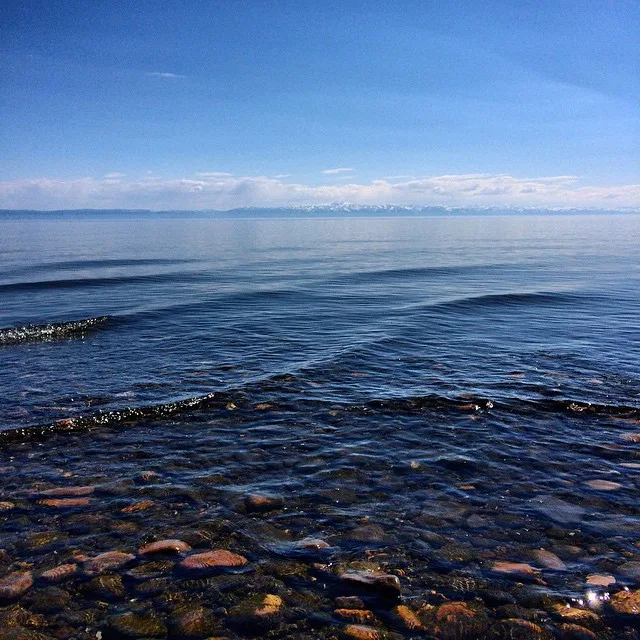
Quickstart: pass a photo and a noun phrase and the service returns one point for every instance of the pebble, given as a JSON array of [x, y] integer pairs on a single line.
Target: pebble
[[212, 560], [576, 632], [549, 560], [74, 492], [15, 585], [361, 616], [625, 603], [349, 602], [62, 503], [5, 505], [143, 505], [603, 485], [598, 580], [459, 620], [261, 503], [518, 569], [60, 573], [409, 619], [378, 581], [106, 561], [164, 546], [362, 632]]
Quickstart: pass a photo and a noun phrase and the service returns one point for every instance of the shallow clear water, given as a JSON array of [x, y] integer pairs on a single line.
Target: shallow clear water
[[455, 383]]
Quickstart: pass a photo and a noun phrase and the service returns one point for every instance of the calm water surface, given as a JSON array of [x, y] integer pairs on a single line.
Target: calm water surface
[[430, 395]]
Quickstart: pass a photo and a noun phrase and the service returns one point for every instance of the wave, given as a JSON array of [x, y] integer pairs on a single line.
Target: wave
[[511, 299], [52, 331], [129, 415], [70, 265], [411, 273], [240, 400], [75, 283]]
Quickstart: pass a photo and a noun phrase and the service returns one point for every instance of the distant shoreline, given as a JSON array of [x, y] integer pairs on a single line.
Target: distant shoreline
[[319, 212]]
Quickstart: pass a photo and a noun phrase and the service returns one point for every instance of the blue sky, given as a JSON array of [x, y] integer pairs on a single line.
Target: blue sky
[[221, 104]]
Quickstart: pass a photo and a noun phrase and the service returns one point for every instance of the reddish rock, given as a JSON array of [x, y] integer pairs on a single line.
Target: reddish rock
[[62, 503], [60, 573], [260, 503], [625, 603], [107, 561], [15, 584], [408, 618], [576, 632], [517, 629], [74, 492], [137, 506], [361, 616], [164, 546], [212, 560], [362, 632]]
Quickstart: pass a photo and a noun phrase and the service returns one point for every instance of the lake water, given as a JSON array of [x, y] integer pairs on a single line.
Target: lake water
[[430, 397]]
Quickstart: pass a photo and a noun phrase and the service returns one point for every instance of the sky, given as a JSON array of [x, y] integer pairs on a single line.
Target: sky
[[215, 105]]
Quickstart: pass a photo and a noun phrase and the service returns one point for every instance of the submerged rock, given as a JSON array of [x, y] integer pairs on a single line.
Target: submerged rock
[[260, 503], [164, 546], [377, 581], [217, 559], [107, 561], [193, 622], [15, 585], [74, 492], [362, 632], [135, 625], [60, 573]]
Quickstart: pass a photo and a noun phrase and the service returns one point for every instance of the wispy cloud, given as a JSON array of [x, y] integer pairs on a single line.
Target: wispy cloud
[[114, 175], [213, 174], [217, 190], [332, 172], [163, 74]]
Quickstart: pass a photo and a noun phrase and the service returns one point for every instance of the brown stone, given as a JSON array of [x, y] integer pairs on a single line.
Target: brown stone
[[164, 546], [60, 573], [74, 492], [193, 622], [15, 584], [212, 560], [409, 619], [107, 561], [576, 632], [549, 560], [6, 505], [626, 603], [62, 503], [383, 583], [260, 503], [598, 580], [362, 632], [458, 620], [360, 616], [143, 505], [516, 569]]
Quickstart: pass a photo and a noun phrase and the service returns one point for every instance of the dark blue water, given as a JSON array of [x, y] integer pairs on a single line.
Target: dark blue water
[[514, 308], [463, 384]]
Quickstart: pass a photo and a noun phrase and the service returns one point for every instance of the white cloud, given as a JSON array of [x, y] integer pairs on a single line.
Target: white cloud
[[213, 174], [114, 175], [331, 172], [163, 74], [217, 190]]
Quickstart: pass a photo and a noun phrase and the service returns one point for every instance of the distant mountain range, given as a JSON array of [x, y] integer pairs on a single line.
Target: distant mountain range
[[334, 209]]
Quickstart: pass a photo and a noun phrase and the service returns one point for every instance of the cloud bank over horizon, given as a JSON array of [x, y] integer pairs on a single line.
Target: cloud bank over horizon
[[223, 191]]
